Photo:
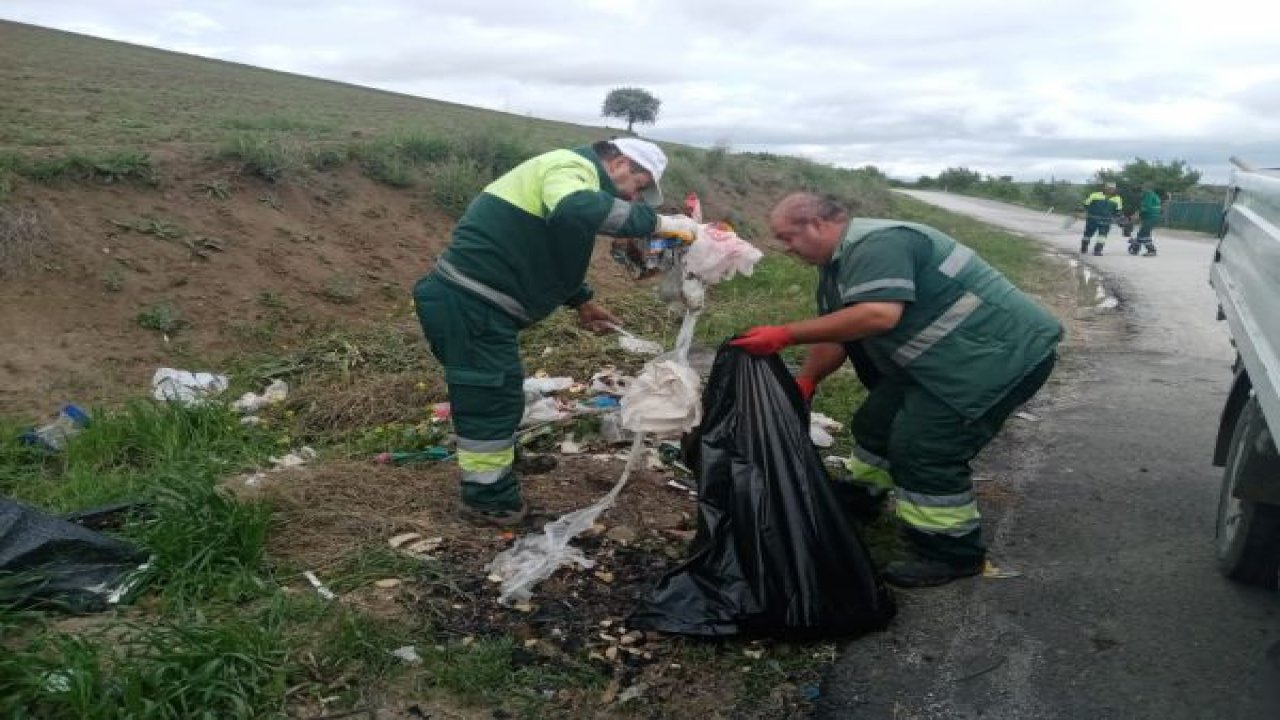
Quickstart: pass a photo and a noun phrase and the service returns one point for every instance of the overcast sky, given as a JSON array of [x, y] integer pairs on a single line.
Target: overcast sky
[[1021, 87]]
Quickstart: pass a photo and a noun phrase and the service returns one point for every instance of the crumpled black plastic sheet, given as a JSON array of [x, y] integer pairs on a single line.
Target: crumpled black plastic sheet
[[48, 561], [774, 554]]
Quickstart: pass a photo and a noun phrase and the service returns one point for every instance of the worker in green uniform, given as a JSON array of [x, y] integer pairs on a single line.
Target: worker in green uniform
[[519, 252], [1149, 211], [951, 348], [1100, 208]]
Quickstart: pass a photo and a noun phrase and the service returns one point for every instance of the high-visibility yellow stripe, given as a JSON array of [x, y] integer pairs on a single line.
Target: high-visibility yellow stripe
[[862, 473], [539, 184], [954, 521], [470, 461]]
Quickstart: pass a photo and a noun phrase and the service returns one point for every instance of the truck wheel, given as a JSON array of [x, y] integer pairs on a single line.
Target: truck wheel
[[1248, 535]]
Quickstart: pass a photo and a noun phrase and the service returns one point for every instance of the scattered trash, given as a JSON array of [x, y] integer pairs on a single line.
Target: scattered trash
[[301, 456], [408, 654], [547, 385], [49, 560], [321, 590], [609, 381], [250, 420], [1023, 415], [185, 387], [611, 430], [409, 457], [274, 394], [995, 573], [820, 429], [632, 693], [388, 583], [629, 342], [532, 558], [663, 400], [543, 409], [811, 693], [412, 543], [570, 446], [53, 436], [601, 402], [441, 412], [719, 254]]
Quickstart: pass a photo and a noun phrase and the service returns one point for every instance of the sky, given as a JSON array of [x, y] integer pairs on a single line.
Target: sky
[[1028, 88]]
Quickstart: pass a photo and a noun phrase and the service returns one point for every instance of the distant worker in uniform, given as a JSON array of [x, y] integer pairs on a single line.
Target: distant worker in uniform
[[1149, 212], [949, 349], [519, 252], [1100, 208]]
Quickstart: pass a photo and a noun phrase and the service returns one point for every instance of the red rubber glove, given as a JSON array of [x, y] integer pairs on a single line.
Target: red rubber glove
[[808, 386], [764, 339]]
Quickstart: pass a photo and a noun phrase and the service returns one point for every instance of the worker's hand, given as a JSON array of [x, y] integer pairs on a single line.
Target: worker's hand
[[684, 229], [808, 386], [596, 319], [764, 339]]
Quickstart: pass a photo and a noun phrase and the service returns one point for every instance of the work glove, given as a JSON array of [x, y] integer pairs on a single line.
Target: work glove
[[684, 229], [764, 339], [808, 386]]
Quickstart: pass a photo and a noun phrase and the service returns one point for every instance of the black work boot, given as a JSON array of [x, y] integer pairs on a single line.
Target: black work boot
[[922, 572], [1097, 249], [1084, 246]]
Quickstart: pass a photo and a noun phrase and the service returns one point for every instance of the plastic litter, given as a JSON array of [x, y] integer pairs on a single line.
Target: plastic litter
[[774, 554], [53, 436], [547, 385], [534, 557], [47, 560], [408, 654], [820, 429], [718, 254], [274, 394], [185, 387], [609, 381], [541, 410], [663, 400], [320, 587]]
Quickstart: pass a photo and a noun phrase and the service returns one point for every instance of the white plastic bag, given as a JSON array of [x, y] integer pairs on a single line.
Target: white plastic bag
[[719, 254], [663, 400], [250, 402], [185, 387]]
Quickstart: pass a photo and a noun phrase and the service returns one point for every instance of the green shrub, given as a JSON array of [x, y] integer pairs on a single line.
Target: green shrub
[[455, 183], [421, 148], [270, 158], [162, 317]]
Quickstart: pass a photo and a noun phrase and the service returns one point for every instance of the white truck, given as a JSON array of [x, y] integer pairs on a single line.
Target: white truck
[[1246, 277]]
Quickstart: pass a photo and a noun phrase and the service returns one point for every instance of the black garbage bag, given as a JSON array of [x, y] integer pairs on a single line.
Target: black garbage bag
[[45, 560], [774, 554]]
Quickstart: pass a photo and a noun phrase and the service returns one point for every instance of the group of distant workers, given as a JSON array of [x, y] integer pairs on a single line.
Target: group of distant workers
[[1103, 206]]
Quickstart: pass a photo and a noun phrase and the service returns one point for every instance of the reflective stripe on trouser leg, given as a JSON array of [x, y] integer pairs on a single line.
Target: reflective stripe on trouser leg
[[868, 470], [952, 515]]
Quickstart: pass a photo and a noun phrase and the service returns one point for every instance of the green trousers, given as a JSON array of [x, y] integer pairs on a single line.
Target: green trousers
[[909, 440], [479, 348]]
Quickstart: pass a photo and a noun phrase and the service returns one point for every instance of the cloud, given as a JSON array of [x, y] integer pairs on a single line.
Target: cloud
[[914, 86]]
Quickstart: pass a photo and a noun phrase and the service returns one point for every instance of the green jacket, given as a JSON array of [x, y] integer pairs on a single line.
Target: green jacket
[[1101, 208], [1150, 206], [525, 242], [968, 337]]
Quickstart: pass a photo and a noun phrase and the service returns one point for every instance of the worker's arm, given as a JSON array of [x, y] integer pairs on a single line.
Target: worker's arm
[[822, 360], [858, 321]]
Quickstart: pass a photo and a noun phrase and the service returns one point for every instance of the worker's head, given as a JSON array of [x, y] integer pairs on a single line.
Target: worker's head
[[634, 166], [1109, 188], [809, 225]]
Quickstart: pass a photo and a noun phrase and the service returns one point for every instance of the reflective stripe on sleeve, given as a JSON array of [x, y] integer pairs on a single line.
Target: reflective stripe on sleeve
[[618, 214], [955, 262], [851, 293]]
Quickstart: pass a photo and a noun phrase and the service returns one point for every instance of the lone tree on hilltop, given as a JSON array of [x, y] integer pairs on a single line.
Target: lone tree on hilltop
[[636, 105]]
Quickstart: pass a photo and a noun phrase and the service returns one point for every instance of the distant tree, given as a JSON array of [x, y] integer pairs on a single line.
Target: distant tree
[[635, 105], [924, 181], [1174, 176], [958, 179]]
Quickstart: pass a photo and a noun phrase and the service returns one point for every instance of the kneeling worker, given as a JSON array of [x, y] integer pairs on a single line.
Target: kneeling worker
[[949, 348]]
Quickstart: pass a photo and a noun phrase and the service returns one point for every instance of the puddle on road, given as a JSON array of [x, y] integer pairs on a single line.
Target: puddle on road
[[1091, 292]]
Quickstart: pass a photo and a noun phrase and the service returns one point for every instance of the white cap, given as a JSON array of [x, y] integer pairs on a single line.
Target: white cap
[[651, 158]]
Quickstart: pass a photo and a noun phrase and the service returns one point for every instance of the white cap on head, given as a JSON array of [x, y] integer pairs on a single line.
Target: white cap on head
[[651, 158]]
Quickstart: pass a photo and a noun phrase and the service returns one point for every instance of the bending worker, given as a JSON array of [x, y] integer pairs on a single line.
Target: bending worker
[[952, 348], [1100, 207], [519, 252]]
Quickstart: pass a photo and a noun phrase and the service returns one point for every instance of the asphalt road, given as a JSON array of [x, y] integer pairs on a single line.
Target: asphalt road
[[1104, 500]]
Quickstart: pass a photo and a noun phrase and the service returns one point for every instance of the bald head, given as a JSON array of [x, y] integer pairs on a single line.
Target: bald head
[[809, 225], [804, 207]]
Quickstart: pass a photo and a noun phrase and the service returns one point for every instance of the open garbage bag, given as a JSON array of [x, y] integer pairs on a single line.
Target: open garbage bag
[[47, 560], [774, 554]]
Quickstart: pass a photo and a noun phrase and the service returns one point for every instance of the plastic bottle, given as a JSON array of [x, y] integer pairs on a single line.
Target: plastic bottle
[[53, 437]]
